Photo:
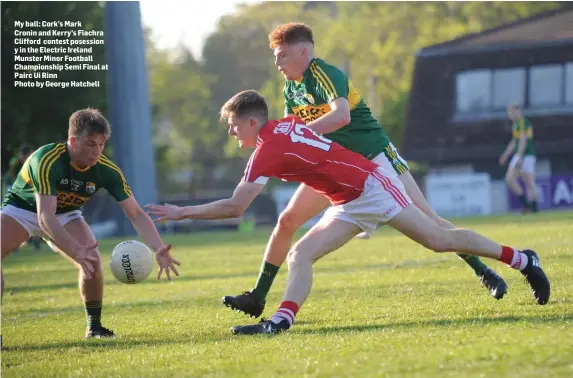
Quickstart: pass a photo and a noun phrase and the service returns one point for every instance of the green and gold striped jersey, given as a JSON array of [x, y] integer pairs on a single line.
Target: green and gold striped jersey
[[523, 125], [311, 97], [50, 172]]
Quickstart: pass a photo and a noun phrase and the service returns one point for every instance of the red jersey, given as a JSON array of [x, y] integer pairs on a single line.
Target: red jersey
[[289, 150]]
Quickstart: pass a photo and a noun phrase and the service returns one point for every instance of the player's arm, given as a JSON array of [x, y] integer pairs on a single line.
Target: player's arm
[[44, 175], [49, 223], [334, 120], [117, 186], [334, 89], [505, 155], [233, 207], [85, 255], [147, 231], [509, 148], [142, 223]]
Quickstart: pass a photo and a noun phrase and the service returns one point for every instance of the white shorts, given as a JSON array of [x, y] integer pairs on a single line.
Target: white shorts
[[383, 198], [29, 219], [527, 165]]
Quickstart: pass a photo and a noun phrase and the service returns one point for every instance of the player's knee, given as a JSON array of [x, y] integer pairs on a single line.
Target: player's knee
[[95, 275], [510, 177], [288, 222], [441, 242], [529, 181]]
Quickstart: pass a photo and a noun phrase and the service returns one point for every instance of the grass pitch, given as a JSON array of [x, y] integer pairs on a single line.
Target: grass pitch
[[380, 307]]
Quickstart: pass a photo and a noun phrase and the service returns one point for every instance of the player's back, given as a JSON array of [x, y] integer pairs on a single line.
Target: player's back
[[290, 151]]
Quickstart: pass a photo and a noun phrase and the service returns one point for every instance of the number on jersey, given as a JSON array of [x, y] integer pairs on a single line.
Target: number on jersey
[[297, 136]]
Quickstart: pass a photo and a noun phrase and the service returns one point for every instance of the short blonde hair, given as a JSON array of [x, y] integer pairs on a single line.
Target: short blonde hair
[[88, 122]]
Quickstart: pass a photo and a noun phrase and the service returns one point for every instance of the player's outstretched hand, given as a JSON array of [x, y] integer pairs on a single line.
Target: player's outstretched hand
[[164, 212], [166, 262]]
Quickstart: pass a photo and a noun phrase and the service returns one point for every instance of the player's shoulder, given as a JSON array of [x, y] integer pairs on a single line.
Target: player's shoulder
[[48, 153], [319, 66], [108, 166], [58, 146], [275, 130]]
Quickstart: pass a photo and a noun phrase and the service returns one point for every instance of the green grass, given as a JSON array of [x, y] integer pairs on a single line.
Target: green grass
[[381, 307]]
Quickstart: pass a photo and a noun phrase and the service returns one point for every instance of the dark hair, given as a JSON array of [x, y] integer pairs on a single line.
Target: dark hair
[[293, 32], [88, 122], [245, 103]]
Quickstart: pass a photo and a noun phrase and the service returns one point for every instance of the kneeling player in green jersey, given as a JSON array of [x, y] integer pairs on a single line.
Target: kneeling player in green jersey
[[47, 197], [323, 97], [523, 160]]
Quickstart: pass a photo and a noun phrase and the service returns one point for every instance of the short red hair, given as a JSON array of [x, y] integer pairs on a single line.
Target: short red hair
[[293, 32]]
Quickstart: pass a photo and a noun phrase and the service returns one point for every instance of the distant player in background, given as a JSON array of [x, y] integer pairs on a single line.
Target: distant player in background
[[523, 160], [16, 164], [327, 101], [47, 197], [14, 167]]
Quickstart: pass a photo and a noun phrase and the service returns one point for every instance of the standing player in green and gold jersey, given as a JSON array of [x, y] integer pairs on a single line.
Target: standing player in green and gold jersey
[[322, 96], [523, 160], [47, 197]]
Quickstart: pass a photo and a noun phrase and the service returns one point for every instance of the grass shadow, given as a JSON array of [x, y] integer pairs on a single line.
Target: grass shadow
[[118, 343], [439, 323]]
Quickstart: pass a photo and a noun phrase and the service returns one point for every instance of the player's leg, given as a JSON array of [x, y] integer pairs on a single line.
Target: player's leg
[[91, 290], [303, 206], [530, 189], [13, 234], [488, 277], [511, 179], [528, 174], [416, 225], [326, 236], [394, 164]]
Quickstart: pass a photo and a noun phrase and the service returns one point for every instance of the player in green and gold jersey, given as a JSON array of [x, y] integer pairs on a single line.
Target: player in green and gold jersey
[[47, 197], [324, 97], [523, 160]]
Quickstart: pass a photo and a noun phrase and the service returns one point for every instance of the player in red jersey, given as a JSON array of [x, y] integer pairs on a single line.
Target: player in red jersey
[[362, 195]]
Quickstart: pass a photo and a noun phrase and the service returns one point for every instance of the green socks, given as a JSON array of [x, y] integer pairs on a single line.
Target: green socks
[[267, 274], [474, 262], [93, 313]]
